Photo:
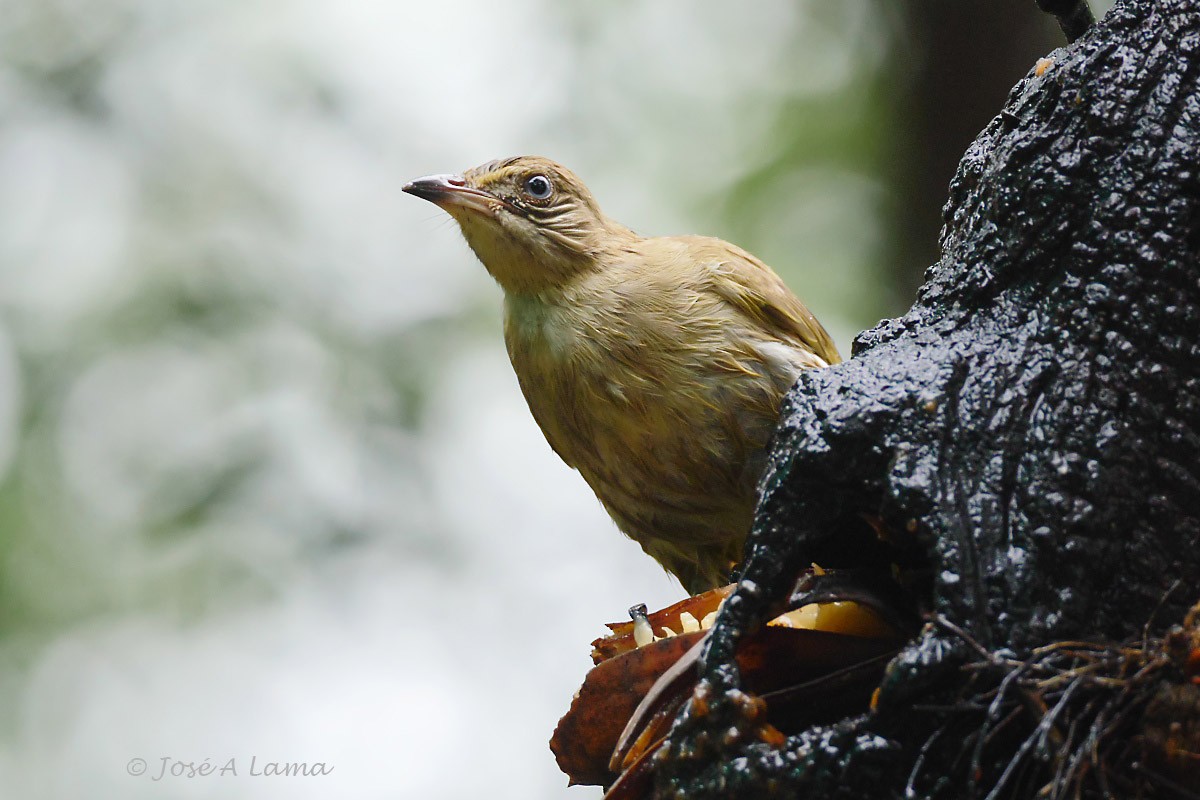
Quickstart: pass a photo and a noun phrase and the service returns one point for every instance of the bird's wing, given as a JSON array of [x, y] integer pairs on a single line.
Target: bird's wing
[[754, 289]]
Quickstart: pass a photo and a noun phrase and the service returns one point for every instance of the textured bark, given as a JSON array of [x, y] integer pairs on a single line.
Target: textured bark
[[1034, 419]]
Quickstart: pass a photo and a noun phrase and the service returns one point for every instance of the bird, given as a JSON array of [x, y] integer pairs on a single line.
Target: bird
[[655, 366]]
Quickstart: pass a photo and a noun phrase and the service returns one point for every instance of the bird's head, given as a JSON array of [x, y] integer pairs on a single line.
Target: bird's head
[[532, 222]]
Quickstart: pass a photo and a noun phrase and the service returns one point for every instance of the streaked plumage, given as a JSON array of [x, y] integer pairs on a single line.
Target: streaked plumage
[[654, 366]]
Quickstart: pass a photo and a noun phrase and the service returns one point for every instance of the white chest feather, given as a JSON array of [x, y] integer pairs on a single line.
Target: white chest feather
[[531, 324]]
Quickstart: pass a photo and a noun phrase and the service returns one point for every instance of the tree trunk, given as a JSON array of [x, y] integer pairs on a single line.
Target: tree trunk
[[1032, 425]]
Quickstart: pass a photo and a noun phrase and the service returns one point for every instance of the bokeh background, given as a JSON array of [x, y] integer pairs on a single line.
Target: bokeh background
[[267, 485]]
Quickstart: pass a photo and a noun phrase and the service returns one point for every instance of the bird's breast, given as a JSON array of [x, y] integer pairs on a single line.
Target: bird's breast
[[637, 407]]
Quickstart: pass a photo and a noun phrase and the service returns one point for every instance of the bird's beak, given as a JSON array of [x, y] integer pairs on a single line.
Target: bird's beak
[[448, 191]]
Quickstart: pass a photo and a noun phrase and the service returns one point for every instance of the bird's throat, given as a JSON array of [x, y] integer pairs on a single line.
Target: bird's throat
[[540, 323]]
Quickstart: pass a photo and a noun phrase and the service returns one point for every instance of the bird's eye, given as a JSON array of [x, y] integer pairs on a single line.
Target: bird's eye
[[538, 187]]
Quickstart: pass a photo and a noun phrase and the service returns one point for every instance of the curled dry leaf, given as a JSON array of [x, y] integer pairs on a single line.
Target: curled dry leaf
[[801, 676], [621, 640], [588, 733]]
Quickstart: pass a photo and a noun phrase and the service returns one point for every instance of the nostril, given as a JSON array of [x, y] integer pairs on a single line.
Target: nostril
[[454, 180]]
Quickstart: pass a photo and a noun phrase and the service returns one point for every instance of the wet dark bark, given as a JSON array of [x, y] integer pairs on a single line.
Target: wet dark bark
[[1034, 420]]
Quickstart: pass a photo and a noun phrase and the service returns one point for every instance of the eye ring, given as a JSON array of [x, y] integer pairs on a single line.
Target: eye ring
[[538, 187]]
